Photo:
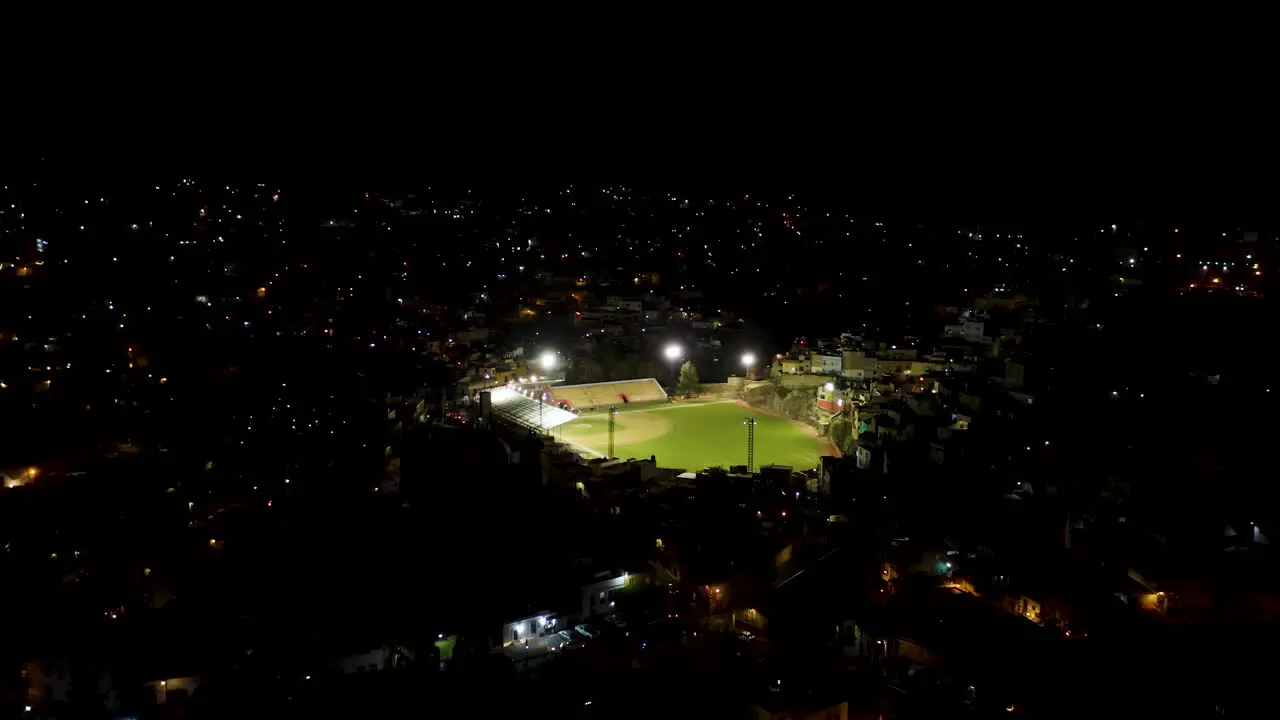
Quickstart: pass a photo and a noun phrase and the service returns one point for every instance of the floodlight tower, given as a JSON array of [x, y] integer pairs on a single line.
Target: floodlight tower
[[613, 413]]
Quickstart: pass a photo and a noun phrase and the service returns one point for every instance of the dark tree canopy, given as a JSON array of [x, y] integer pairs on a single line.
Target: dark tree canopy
[[688, 383]]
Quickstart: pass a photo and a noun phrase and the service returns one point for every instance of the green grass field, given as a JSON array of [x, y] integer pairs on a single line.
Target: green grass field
[[694, 436]]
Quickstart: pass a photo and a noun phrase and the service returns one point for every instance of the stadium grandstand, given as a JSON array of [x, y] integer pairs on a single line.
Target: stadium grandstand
[[514, 404], [597, 395]]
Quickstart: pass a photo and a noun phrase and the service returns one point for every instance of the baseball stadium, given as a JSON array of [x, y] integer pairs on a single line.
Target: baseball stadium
[[686, 434]]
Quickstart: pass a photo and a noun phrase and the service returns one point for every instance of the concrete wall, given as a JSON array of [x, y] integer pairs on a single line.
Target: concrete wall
[[803, 381], [718, 389]]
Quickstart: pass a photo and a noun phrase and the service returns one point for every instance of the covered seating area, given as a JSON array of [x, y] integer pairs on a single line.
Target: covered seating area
[[515, 404], [593, 396]]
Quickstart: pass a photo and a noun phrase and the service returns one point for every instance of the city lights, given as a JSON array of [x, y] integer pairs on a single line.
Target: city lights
[[444, 371]]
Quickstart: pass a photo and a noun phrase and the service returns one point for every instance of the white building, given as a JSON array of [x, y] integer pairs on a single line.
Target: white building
[[970, 330], [170, 689], [598, 594], [527, 628], [826, 364]]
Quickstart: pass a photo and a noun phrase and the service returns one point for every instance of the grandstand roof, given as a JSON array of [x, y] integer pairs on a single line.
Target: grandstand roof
[[526, 410]]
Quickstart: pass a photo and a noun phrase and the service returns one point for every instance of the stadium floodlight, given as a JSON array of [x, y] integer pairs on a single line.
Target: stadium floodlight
[[547, 360], [748, 360], [672, 352]]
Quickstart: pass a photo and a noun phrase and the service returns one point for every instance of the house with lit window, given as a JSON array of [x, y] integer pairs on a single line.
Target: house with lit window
[[826, 364], [529, 629], [790, 366], [599, 593]]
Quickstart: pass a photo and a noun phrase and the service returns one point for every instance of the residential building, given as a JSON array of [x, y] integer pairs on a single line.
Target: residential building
[[598, 594], [833, 398], [173, 690], [856, 364], [826, 364], [528, 629], [790, 366]]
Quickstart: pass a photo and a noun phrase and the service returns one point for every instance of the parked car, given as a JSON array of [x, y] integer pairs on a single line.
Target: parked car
[[586, 630], [566, 635], [616, 620]]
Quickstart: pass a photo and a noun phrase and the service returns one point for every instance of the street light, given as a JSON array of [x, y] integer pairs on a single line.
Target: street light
[[748, 360], [672, 352], [547, 360]]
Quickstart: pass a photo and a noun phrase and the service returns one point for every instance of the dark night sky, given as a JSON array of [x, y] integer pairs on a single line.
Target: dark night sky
[[971, 130]]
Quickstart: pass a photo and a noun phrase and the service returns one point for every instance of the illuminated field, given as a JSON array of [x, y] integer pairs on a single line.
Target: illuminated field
[[695, 436]]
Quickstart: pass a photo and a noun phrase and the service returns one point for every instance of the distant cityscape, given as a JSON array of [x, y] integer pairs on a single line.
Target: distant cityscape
[[604, 450]]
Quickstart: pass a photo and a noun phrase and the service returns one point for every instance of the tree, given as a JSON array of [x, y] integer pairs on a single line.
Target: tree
[[688, 383], [840, 431], [837, 428]]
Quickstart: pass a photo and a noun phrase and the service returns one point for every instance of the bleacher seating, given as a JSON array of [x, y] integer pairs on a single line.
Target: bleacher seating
[[528, 411], [593, 396]]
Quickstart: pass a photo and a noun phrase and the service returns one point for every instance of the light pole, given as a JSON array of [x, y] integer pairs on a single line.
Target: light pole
[[751, 443], [613, 413], [748, 362], [673, 354]]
